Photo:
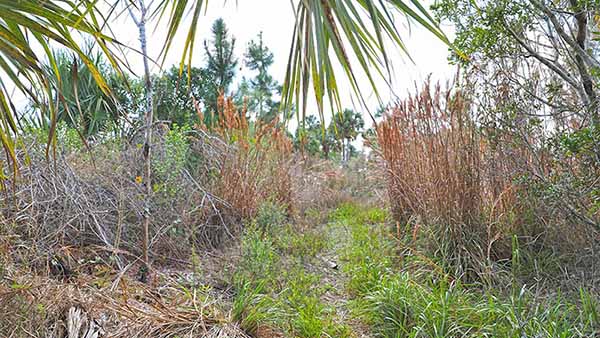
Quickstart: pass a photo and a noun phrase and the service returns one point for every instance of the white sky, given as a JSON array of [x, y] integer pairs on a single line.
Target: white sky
[[275, 19]]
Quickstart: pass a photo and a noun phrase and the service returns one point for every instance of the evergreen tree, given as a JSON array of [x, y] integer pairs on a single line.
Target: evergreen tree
[[221, 64], [262, 88], [175, 96]]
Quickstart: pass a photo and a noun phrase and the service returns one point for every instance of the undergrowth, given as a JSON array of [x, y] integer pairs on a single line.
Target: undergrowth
[[274, 290], [397, 300]]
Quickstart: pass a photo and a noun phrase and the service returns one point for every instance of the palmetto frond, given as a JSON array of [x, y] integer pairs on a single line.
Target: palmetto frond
[[353, 33], [28, 25]]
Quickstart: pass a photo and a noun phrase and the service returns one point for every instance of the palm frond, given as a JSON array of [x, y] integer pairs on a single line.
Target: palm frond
[[26, 24], [353, 33]]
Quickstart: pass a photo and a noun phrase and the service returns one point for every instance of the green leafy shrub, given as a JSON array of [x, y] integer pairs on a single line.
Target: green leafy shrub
[[171, 160]]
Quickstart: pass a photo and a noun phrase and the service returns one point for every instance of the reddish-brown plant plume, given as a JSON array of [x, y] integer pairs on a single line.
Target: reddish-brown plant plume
[[255, 164], [442, 172]]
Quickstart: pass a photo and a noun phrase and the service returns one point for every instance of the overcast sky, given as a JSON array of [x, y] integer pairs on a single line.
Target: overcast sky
[[275, 19]]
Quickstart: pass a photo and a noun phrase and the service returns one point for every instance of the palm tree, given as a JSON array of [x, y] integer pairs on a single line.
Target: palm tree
[[324, 31], [83, 105]]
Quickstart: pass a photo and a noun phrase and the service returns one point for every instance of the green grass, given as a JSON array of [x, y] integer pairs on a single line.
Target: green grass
[[397, 303], [272, 286], [394, 294]]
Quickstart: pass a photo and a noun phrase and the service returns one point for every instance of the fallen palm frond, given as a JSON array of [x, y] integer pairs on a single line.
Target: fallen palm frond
[[43, 307]]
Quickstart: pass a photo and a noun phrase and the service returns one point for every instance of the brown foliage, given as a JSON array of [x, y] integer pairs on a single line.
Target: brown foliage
[[254, 160], [442, 172]]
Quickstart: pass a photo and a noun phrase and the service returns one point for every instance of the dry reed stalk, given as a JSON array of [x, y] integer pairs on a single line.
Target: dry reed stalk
[[441, 169], [255, 164]]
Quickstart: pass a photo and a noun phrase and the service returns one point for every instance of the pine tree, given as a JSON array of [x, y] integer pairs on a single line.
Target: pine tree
[[221, 64], [262, 88]]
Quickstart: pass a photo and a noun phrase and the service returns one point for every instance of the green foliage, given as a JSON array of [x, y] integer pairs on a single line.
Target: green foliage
[[270, 216], [175, 95], [259, 256], [256, 271], [310, 317], [345, 127], [272, 221], [305, 244], [220, 66], [69, 138], [389, 308], [308, 136], [82, 103], [368, 254], [261, 90], [580, 142], [251, 307], [272, 286], [312, 137], [481, 27], [168, 165]]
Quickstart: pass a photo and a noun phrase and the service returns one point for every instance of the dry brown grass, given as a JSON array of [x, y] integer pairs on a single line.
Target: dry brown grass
[[254, 162], [443, 176], [115, 306]]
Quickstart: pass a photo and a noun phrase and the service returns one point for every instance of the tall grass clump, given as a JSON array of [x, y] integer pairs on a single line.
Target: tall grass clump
[[446, 179], [252, 160]]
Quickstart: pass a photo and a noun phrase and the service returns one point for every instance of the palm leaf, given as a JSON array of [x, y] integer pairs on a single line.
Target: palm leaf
[[351, 33], [28, 22]]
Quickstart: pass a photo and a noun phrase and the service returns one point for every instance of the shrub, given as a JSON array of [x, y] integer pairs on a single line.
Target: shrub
[[171, 160]]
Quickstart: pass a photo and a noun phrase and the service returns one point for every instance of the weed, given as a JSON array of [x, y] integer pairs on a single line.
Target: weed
[[251, 306], [303, 244], [270, 215], [259, 257], [396, 303]]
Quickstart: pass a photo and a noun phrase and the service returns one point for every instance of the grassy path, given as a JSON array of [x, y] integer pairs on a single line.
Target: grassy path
[[290, 280], [343, 278]]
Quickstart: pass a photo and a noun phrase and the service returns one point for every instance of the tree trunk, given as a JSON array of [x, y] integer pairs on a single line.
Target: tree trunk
[[148, 118]]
